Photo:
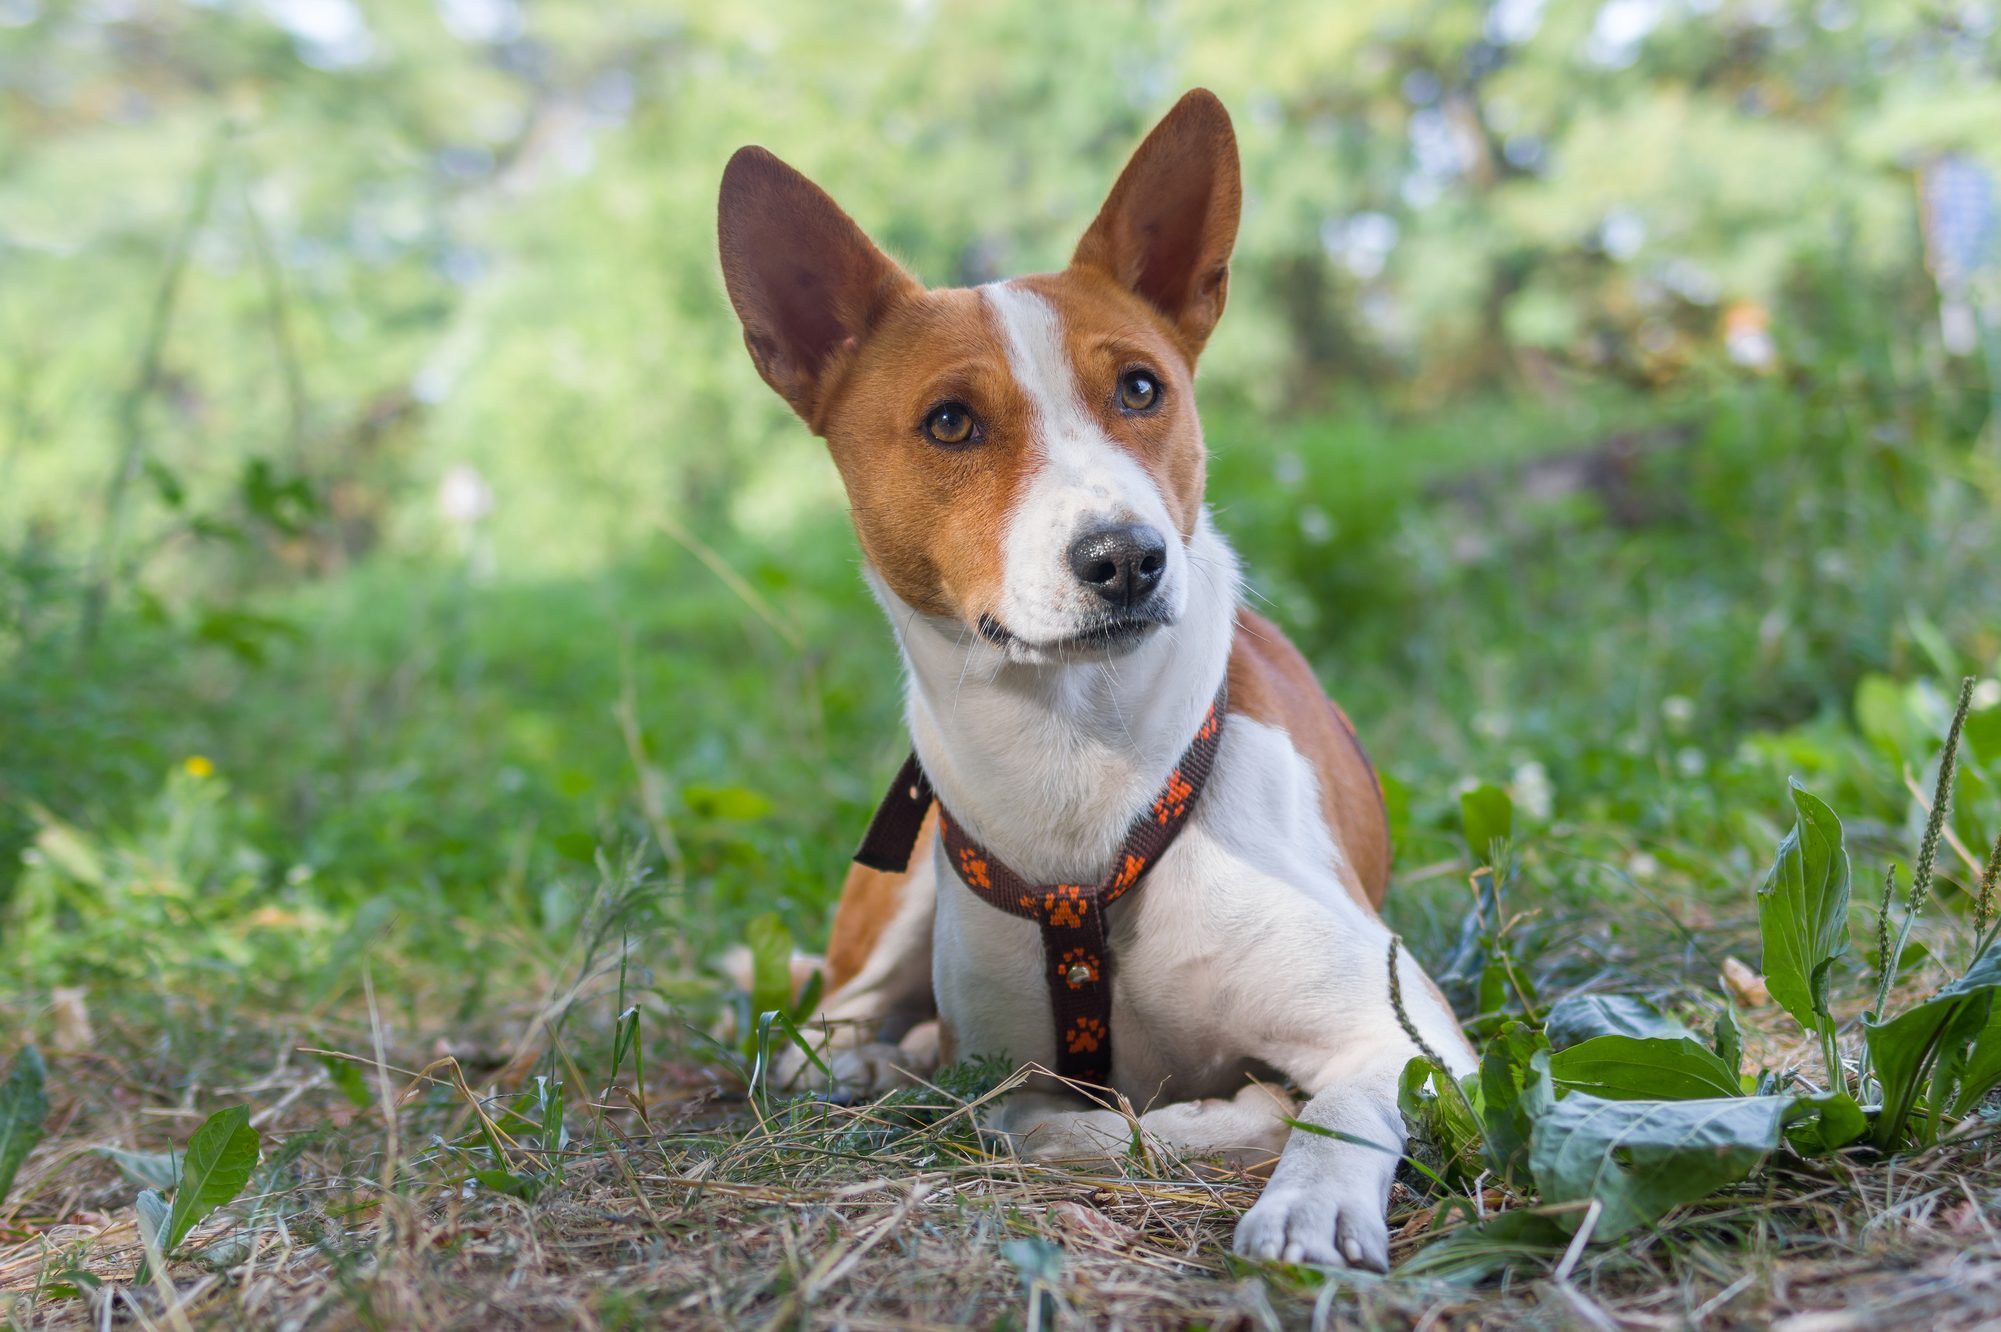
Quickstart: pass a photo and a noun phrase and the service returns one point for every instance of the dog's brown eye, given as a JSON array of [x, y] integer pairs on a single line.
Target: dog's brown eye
[[1138, 390], [951, 424]]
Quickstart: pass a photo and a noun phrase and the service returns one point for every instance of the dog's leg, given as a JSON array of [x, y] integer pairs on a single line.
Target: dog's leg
[[1329, 1193], [879, 1016], [1246, 1129]]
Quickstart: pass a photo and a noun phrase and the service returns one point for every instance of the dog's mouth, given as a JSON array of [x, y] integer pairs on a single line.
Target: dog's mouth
[[1108, 635]]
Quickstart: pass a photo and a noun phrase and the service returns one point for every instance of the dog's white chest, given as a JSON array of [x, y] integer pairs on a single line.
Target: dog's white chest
[[1229, 940]]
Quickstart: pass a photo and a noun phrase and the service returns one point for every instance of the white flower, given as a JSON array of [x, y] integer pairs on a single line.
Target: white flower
[[463, 495], [1532, 791]]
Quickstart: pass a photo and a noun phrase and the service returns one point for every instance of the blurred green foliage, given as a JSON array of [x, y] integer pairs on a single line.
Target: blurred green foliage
[[372, 421]]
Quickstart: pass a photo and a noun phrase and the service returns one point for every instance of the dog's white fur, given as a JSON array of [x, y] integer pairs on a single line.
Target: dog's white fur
[[1083, 479], [1245, 955]]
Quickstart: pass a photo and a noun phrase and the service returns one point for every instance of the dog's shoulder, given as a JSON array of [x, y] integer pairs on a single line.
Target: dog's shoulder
[[1270, 682]]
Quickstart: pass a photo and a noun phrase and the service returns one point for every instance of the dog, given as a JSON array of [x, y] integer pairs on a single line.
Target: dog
[[1148, 850]]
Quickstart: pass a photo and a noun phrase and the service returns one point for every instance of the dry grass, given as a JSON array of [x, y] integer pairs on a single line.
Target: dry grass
[[696, 1207]]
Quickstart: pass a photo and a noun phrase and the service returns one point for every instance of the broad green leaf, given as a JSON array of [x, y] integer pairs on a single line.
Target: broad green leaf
[[24, 1105], [1826, 1123], [1952, 1030], [1626, 1068], [149, 1170], [1980, 1069], [1582, 1017], [1803, 912], [1641, 1159], [1506, 1113], [1488, 816], [218, 1163]]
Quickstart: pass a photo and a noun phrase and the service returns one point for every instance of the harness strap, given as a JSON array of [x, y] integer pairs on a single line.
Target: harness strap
[[1076, 949]]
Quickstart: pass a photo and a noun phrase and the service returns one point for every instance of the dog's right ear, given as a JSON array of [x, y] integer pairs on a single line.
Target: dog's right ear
[[805, 281]]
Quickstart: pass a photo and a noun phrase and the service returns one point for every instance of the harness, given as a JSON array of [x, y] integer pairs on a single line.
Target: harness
[[1076, 948]]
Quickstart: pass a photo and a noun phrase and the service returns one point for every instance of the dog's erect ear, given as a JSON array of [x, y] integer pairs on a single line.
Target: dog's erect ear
[[805, 281], [1167, 227]]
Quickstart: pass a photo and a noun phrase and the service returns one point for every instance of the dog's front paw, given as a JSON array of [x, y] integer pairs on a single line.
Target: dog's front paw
[[1318, 1223]]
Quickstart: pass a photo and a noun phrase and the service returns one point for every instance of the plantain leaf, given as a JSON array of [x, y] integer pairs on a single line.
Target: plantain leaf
[[219, 1161], [24, 1105], [1582, 1017], [1641, 1159], [1803, 912], [1953, 1032], [1980, 1069], [1827, 1123], [1623, 1068]]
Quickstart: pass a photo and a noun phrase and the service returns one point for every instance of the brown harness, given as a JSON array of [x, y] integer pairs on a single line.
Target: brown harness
[[1076, 948]]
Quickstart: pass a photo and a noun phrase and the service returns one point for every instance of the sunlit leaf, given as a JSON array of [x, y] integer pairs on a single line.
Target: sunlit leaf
[[1803, 912], [1952, 1031], [1625, 1068], [219, 1161]]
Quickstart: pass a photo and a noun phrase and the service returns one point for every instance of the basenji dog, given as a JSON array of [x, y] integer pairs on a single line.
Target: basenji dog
[[1149, 851]]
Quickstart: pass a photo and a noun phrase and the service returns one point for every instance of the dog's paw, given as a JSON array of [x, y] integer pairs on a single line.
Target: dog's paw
[[1318, 1224]]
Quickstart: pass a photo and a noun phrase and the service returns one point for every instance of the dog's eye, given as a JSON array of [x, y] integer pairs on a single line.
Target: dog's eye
[[951, 424], [1139, 391]]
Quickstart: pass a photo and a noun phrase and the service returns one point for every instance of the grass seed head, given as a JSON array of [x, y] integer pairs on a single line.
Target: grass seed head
[[1921, 876]]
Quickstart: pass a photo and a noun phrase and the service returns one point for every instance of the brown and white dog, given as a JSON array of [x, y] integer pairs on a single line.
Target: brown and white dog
[[1026, 472]]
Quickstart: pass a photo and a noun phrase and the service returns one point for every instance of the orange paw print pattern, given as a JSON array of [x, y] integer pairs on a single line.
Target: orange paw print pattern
[[1128, 874], [1210, 725], [1067, 967], [1086, 1034], [973, 868], [1065, 905], [1172, 802]]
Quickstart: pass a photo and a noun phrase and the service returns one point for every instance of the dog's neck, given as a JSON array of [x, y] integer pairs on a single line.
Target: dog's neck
[[1047, 766]]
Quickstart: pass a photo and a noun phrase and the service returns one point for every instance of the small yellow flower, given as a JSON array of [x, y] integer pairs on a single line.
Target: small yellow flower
[[198, 765]]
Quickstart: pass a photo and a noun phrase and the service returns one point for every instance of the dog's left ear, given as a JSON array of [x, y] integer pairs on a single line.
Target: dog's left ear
[[1167, 227]]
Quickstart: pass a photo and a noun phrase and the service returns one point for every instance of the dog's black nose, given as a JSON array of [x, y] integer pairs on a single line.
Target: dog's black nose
[[1121, 563]]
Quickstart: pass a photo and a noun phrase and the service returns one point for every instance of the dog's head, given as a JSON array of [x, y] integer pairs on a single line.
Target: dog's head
[[1023, 458]]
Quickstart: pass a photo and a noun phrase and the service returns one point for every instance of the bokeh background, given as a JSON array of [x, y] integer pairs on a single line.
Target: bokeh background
[[400, 559]]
